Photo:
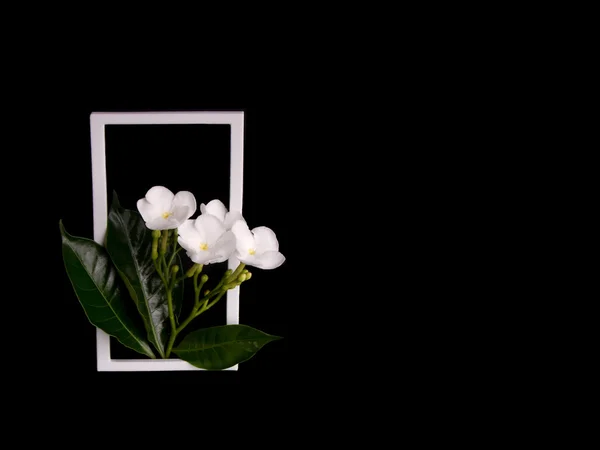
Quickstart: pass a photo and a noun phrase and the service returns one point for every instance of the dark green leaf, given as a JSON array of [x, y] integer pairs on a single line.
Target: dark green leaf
[[217, 348], [129, 244], [96, 284]]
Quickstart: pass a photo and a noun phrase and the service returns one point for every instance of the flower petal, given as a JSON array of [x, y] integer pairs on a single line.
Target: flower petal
[[161, 197], [215, 208], [159, 223], [269, 260], [191, 244], [201, 257], [265, 240], [187, 228], [244, 257], [181, 214], [147, 210], [224, 247], [187, 245], [210, 228], [189, 238], [232, 217], [244, 238], [185, 198]]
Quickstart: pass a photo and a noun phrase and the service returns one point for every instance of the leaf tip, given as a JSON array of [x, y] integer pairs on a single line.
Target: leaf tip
[[63, 232], [115, 200]]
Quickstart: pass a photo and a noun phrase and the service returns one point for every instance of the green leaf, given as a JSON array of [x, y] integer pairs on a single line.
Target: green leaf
[[96, 284], [129, 244], [217, 348]]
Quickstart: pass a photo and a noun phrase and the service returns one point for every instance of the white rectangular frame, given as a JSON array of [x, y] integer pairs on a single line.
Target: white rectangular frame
[[98, 120]]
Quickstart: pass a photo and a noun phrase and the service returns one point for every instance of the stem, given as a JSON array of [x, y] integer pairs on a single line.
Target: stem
[[180, 279], [167, 272], [186, 322], [196, 290], [161, 257], [206, 307], [200, 286], [172, 320], [200, 303], [237, 272], [174, 253], [160, 274], [169, 280]]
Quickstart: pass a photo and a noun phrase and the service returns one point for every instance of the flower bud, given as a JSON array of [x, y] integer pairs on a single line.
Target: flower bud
[[204, 278], [199, 268], [164, 241], [206, 292], [174, 269], [155, 234], [242, 278], [248, 276], [191, 271]]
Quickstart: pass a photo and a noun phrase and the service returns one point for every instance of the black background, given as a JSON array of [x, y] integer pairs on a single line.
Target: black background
[[299, 179], [317, 170], [368, 157], [272, 195]]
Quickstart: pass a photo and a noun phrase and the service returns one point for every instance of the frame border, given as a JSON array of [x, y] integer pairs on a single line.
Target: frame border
[[98, 120]]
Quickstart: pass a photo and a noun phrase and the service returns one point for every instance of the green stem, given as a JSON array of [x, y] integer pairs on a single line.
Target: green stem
[[175, 233], [162, 251], [224, 281], [212, 293], [206, 307], [166, 271], [172, 320], [201, 302], [159, 271], [200, 286], [169, 280], [186, 322], [237, 272], [180, 279], [196, 290], [174, 254]]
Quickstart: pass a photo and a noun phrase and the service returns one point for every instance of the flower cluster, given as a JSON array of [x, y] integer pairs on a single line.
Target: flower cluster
[[215, 235]]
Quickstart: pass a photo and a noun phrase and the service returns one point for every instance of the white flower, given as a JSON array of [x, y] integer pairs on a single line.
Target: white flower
[[161, 210], [217, 208], [206, 240], [258, 248]]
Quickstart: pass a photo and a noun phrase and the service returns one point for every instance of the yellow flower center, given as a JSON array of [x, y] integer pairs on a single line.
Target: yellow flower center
[[251, 251], [166, 215], [204, 246]]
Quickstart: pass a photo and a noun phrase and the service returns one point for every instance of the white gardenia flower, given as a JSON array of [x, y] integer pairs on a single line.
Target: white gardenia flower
[[258, 248], [206, 240], [161, 210], [217, 208]]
